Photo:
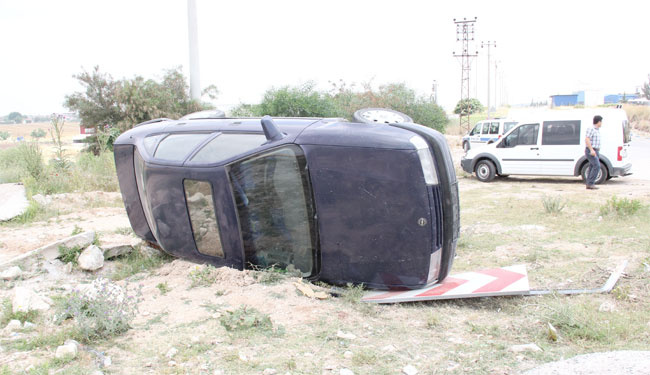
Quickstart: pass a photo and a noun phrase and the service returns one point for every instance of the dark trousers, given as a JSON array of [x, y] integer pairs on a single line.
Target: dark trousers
[[594, 167]]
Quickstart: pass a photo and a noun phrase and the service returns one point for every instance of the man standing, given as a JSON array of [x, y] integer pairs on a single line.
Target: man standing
[[592, 140]]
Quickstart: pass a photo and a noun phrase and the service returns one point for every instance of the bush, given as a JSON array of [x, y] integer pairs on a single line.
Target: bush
[[4, 136], [38, 133], [468, 107], [553, 205], [246, 319], [620, 207], [101, 311]]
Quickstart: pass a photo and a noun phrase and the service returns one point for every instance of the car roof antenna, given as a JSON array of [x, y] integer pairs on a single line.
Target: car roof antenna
[[271, 130]]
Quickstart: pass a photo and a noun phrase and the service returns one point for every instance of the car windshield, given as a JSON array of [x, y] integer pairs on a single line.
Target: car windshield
[[275, 209]]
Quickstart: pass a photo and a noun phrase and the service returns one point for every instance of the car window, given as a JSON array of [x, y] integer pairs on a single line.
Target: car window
[[151, 141], [177, 146], [203, 218], [275, 209], [225, 146], [494, 128], [528, 134], [508, 125], [486, 128], [511, 139], [561, 132], [627, 138], [476, 130]]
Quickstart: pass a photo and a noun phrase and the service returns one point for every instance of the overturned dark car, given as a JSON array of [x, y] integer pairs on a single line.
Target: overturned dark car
[[371, 202]]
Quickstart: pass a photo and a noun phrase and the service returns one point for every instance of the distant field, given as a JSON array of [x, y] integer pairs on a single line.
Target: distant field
[[70, 130]]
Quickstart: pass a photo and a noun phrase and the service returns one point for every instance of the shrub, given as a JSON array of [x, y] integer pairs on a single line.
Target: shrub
[[620, 206], [553, 205], [4, 135], [203, 276], [248, 319], [38, 133], [100, 311], [69, 254]]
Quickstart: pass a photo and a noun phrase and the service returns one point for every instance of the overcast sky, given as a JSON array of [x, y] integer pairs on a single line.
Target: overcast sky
[[245, 46]]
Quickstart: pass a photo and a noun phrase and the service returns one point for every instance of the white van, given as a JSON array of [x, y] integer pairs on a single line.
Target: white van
[[552, 143], [485, 131]]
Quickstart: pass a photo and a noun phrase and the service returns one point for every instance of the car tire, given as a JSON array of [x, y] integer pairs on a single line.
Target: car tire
[[602, 175], [465, 146], [485, 171], [369, 116], [504, 175]]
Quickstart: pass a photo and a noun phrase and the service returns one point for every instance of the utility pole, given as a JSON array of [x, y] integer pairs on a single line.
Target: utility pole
[[195, 85], [465, 35], [434, 92], [488, 44]]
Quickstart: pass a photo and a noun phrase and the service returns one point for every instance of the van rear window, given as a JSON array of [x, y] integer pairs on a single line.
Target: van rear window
[[561, 132], [627, 137]]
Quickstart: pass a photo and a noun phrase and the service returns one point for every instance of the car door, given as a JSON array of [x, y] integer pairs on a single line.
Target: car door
[[518, 153], [560, 148], [475, 135]]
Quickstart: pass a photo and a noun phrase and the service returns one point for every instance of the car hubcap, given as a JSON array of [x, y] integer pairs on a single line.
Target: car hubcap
[[482, 171]]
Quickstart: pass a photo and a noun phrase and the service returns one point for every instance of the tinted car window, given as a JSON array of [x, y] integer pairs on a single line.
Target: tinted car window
[[225, 146], [151, 141], [507, 126], [177, 146], [528, 134], [627, 138], [275, 209], [476, 130], [486, 128], [561, 133], [511, 139], [202, 216], [494, 128]]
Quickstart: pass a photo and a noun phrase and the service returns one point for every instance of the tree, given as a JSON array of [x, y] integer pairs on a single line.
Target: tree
[[468, 106], [646, 88], [16, 117], [98, 105]]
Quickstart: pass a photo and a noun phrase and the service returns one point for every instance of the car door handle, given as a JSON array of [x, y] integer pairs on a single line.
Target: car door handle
[[534, 148]]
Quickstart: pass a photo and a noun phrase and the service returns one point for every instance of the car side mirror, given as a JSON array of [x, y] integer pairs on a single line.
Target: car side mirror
[[490, 141]]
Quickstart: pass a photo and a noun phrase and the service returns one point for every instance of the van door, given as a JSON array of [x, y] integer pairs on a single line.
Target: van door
[[475, 135], [560, 148], [518, 153]]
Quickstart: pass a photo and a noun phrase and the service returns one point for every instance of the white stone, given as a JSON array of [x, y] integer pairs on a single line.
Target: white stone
[[13, 201], [389, 348], [107, 361], [11, 273], [345, 371], [29, 325], [607, 307], [96, 372], [409, 370], [171, 363], [269, 371], [243, 357], [195, 339], [218, 372], [346, 335], [91, 259], [348, 354], [525, 348], [30, 368], [13, 325], [26, 300], [114, 251], [41, 199], [171, 353], [148, 251], [63, 351]]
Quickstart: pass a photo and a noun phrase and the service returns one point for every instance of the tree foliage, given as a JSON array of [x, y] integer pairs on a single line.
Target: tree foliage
[[646, 88], [16, 117], [342, 101], [468, 106], [124, 103]]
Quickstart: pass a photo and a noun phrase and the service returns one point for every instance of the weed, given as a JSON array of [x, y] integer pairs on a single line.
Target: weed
[[553, 205], [248, 319], [365, 357], [136, 262], [126, 231], [77, 229], [270, 275], [433, 321], [44, 340], [163, 287], [352, 294], [202, 276], [8, 314], [620, 207], [38, 133], [69, 254], [100, 311]]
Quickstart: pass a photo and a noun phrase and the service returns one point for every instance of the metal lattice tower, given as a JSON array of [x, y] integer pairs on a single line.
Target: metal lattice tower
[[489, 44], [465, 35]]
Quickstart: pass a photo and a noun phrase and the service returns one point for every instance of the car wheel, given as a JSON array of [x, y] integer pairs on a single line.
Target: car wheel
[[465, 146], [602, 174], [485, 171], [381, 116]]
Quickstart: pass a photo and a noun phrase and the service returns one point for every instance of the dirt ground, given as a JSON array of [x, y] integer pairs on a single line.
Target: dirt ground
[[70, 131], [330, 336]]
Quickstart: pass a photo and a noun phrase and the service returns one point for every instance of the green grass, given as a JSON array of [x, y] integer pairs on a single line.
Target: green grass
[[136, 262], [8, 314]]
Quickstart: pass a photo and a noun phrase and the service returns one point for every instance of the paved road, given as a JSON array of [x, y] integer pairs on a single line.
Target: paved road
[[640, 154]]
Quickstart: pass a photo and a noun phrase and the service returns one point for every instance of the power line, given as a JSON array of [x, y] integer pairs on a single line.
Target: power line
[[489, 44], [465, 35]]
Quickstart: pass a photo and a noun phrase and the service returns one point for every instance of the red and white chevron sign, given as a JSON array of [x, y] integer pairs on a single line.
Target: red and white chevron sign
[[506, 281]]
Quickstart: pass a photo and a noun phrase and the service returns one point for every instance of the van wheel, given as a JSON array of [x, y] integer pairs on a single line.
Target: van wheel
[[602, 174], [485, 171], [465, 146]]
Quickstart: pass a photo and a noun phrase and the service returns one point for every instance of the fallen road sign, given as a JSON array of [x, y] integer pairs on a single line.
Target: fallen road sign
[[504, 281]]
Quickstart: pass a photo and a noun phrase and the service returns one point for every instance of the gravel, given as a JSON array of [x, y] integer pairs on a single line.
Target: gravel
[[609, 363]]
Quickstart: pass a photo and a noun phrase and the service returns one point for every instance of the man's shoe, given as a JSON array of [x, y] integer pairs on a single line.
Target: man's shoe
[[592, 187]]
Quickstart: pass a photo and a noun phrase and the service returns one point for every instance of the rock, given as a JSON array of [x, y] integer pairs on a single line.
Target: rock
[[269, 371], [171, 363], [111, 291], [51, 251], [607, 307], [195, 339], [41, 199], [13, 325], [26, 300], [72, 342], [552, 332], [96, 372], [243, 357], [13, 201], [107, 361], [30, 368], [171, 353], [12, 273], [149, 251], [525, 348], [117, 245], [66, 351], [29, 326], [345, 335], [114, 251], [389, 348], [345, 371], [67, 268], [348, 354], [218, 372], [409, 370], [91, 259]]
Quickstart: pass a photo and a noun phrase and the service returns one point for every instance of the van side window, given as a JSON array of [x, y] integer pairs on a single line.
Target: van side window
[[511, 139], [494, 128], [561, 132], [508, 125], [528, 134], [477, 129], [486, 128]]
